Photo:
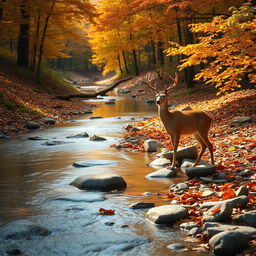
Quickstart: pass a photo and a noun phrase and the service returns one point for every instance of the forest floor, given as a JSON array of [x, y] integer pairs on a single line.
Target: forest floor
[[23, 100]]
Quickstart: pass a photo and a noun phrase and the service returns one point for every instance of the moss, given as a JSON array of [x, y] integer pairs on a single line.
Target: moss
[[6, 102]]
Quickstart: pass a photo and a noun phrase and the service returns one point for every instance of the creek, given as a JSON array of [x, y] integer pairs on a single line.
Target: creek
[[33, 175]]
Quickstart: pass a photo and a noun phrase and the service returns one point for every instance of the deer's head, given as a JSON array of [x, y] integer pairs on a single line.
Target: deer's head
[[161, 95]]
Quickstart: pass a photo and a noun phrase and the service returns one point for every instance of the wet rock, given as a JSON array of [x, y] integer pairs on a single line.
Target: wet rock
[[87, 197], [31, 125], [87, 111], [148, 194], [150, 101], [96, 117], [188, 226], [91, 163], [194, 231], [180, 187], [242, 191], [222, 214], [97, 138], [135, 129], [35, 138], [110, 102], [22, 229], [187, 152], [79, 135], [109, 223], [228, 243], [152, 145], [250, 218], [141, 205], [54, 143], [234, 202], [177, 247], [160, 162], [4, 136], [206, 192], [166, 214], [241, 119], [47, 120], [163, 173], [102, 182], [14, 251], [203, 169], [213, 228]]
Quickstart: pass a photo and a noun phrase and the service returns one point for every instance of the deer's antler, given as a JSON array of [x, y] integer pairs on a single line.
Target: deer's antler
[[175, 81], [149, 79]]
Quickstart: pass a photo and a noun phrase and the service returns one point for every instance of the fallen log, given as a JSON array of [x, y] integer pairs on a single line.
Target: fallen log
[[93, 95]]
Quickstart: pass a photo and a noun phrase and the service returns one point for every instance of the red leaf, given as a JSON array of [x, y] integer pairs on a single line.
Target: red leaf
[[214, 211], [106, 212], [228, 193]]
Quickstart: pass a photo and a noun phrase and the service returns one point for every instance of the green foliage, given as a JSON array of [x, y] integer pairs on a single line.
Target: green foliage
[[6, 102]]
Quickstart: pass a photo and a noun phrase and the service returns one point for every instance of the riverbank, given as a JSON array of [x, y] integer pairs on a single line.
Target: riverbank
[[23, 100]]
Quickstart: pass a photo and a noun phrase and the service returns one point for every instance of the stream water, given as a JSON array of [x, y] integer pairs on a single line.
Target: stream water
[[32, 175]]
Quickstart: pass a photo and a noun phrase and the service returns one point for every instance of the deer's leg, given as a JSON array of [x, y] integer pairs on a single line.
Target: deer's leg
[[203, 147], [175, 143], [204, 137]]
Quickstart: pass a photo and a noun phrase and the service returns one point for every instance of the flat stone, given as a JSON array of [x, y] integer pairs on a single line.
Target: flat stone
[[160, 162], [102, 182], [48, 120], [31, 125], [141, 205], [234, 202], [177, 247], [87, 111], [166, 214], [54, 143], [186, 152], [97, 138], [242, 119], [229, 243], [79, 135], [152, 145], [188, 225], [213, 228], [180, 187], [91, 163], [22, 229], [96, 117], [223, 214], [87, 197], [203, 169], [35, 138], [163, 173]]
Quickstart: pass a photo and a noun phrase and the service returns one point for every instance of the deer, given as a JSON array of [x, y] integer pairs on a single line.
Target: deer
[[178, 123]]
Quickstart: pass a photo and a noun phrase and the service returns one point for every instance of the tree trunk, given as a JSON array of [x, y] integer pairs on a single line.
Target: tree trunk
[[136, 69], [189, 70], [93, 95], [125, 63], [23, 39], [1, 10], [36, 41], [119, 63], [160, 46], [153, 53], [41, 49]]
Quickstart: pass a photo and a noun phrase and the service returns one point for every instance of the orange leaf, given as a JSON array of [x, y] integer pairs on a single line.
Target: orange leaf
[[106, 212], [228, 193], [214, 211]]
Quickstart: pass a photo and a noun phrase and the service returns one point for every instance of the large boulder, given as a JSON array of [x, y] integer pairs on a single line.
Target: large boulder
[[186, 152], [166, 214], [48, 120], [218, 213], [213, 228], [22, 229], [249, 218], [102, 182], [235, 202], [229, 243], [203, 169], [32, 125], [163, 173], [152, 145]]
